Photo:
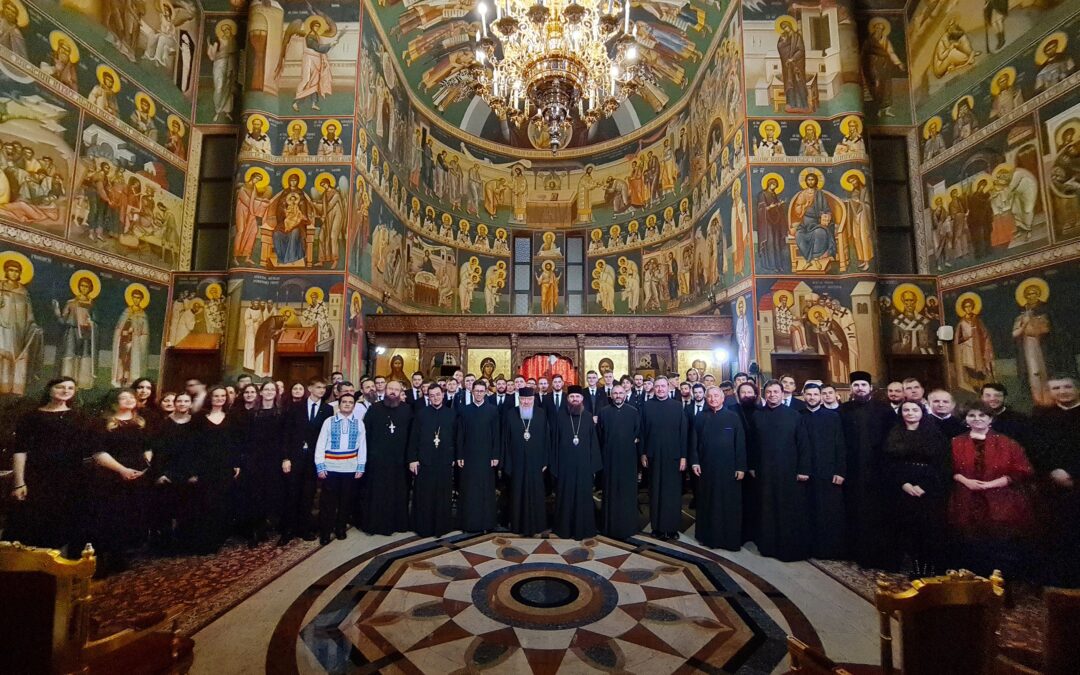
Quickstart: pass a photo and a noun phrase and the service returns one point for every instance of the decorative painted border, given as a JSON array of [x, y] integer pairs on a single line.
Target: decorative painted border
[[65, 248], [1047, 256]]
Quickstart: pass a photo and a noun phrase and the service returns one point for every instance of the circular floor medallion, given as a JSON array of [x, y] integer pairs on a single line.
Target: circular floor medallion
[[544, 596]]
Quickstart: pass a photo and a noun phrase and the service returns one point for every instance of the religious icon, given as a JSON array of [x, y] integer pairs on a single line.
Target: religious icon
[[934, 144], [549, 287], [630, 280], [290, 215], [13, 19], [911, 327], [852, 143], [1038, 353], [79, 341], [131, 338], [176, 130], [814, 216], [810, 144], [330, 211], [743, 338], [320, 34], [256, 140], [494, 282], [253, 199], [331, 139], [974, 347], [800, 91], [1005, 97], [603, 283], [880, 62], [63, 59], [770, 144], [143, 118], [224, 54], [964, 122], [1053, 61], [858, 231], [103, 95], [20, 336]]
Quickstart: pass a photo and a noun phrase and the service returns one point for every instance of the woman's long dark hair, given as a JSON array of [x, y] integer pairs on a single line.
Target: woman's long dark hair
[[152, 401]]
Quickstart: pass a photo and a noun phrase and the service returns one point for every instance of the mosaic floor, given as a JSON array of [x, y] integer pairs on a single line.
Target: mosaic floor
[[500, 603]]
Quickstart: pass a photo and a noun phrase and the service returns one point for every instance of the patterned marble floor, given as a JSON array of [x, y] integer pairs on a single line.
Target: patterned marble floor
[[501, 603]]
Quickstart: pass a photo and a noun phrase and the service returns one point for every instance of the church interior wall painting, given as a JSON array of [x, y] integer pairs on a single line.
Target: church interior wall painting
[[198, 314], [1044, 68], [279, 314], [434, 45], [302, 57], [489, 362], [397, 363], [886, 92], [1018, 330], [830, 318], [61, 316], [615, 361], [800, 59], [741, 353], [987, 203], [354, 362], [291, 217], [313, 140], [813, 220], [910, 316], [1059, 127], [959, 44], [223, 61], [702, 360]]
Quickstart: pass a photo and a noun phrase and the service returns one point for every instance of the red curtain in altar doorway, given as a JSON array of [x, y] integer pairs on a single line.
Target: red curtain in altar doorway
[[549, 365]]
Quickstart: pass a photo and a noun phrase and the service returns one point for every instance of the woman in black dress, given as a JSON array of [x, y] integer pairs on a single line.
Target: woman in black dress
[[118, 489], [217, 465], [167, 403], [146, 402], [173, 473], [918, 464], [260, 442], [49, 448]]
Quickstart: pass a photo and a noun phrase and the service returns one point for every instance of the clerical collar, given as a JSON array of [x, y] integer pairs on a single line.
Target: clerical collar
[[1071, 407], [436, 407], [618, 405], [815, 408]]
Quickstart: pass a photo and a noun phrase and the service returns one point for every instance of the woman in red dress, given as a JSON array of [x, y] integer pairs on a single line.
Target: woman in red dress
[[988, 507]]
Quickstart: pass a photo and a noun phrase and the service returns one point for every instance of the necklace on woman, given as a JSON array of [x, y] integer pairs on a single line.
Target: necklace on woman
[[575, 429]]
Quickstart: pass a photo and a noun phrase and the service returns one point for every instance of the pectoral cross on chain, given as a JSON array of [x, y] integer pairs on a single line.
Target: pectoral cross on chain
[[392, 427], [436, 441]]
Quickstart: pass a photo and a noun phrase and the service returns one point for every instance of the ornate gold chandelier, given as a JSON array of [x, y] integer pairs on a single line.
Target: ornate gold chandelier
[[546, 62]]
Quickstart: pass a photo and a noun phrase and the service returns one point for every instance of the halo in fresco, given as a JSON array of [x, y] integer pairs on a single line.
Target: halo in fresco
[[264, 177], [933, 125], [811, 170], [776, 177], [101, 71], [976, 300], [58, 36], [26, 273], [301, 181], [903, 289], [129, 295], [1036, 282], [314, 295], [95, 283]]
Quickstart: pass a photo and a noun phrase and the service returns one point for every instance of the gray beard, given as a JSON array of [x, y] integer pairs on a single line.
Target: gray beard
[[526, 414]]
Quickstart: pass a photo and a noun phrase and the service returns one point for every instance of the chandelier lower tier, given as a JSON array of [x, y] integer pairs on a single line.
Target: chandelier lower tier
[[549, 63]]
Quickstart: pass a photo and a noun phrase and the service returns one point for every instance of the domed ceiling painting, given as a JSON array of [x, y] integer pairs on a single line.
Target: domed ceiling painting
[[433, 43]]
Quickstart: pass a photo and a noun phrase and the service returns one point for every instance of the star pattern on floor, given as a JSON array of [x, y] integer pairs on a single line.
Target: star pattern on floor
[[502, 603]]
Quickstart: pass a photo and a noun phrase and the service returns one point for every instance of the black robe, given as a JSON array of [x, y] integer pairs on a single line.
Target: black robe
[[573, 468], [478, 444], [751, 486], [433, 487], [783, 519], [823, 437], [384, 488], [718, 446], [523, 465], [664, 440], [619, 432], [866, 425]]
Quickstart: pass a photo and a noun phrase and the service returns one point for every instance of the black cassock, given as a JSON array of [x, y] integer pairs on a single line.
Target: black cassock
[[384, 489], [866, 425], [573, 468], [478, 444], [523, 464], [619, 432], [664, 441], [434, 483], [783, 522], [823, 438], [718, 446]]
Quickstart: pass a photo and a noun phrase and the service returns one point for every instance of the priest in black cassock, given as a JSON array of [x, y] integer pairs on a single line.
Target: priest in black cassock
[[783, 472], [478, 446], [526, 448], [383, 506], [432, 452], [718, 459], [866, 425], [619, 431], [575, 462], [664, 443], [823, 437]]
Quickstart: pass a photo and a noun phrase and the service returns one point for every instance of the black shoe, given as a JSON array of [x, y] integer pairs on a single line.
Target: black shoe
[[340, 533], [324, 540], [284, 540], [309, 536]]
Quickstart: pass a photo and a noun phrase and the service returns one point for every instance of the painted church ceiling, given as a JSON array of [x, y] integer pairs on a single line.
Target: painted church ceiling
[[428, 41]]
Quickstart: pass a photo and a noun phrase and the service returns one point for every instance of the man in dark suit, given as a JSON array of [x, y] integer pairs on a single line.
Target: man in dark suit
[[499, 396], [697, 402], [557, 401], [787, 382], [595, 398], [303, 423], [414, 395]]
